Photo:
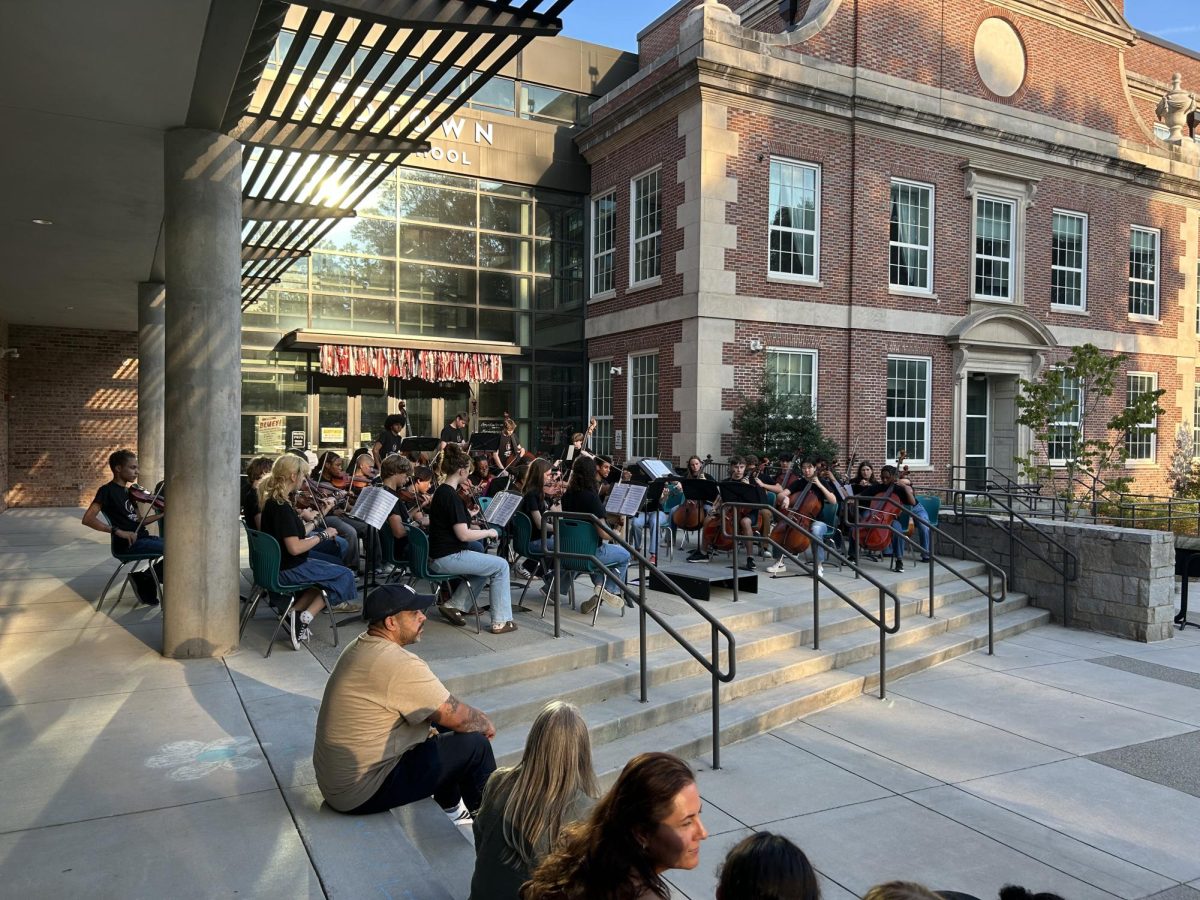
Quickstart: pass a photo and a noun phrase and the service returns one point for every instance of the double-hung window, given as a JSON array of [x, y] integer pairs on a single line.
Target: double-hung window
[[604, 242], [1141, 440], [1143, 272], [1063, 431], [1196, 421], [1068, 260], [645, 228], [600, 405], [793, 373], [910, 237], [995, 248], [643, 406], [908, 392], [794, 220]]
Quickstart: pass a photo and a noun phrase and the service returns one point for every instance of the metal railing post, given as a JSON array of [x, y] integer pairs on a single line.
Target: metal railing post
[[642, 626], [716, 705], [557, 591], [737, 522], [882, 649]]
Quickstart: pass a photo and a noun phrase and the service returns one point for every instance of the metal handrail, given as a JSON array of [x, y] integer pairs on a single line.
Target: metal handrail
[[879, 622], [1014, 539], [959, 474], [716, 628], [934, 559]]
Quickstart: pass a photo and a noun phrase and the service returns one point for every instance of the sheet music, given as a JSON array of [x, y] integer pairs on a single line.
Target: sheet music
[[625, 499], [373, 506], [501, 508], [656, 468]]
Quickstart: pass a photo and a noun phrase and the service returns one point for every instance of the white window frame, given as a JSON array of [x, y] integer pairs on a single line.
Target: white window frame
[[815, 277], [1153, 423], [1196, 422], [1011, 259], [610, 253], [1154, 282], [656, 278], [1077, 387], [601, 434], [1006, 187], [908, 288], [630, 416], [1083, 270], [799, 351], [928, 418]]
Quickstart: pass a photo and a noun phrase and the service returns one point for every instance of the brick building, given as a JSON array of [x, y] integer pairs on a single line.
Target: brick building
[[895, 209]]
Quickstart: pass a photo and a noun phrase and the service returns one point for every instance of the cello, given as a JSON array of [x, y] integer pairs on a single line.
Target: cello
[[719, 528], [803, 510], [875, 521]]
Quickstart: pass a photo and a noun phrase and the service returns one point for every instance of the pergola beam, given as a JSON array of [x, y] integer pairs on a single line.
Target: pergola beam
[[265, 210], [471, 16], [273, 133]]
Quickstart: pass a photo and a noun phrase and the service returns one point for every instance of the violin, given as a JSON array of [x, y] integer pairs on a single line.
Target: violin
[[139, 494]]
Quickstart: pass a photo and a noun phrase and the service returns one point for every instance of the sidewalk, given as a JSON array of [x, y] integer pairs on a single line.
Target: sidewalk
[[1067, 762]]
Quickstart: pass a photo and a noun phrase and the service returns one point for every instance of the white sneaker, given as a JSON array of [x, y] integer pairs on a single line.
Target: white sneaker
[[293, 630], [459, 815], [612, 598], [778, 568], [820, 570]]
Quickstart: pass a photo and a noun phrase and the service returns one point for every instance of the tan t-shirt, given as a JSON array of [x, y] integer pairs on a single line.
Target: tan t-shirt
[[376, 706]]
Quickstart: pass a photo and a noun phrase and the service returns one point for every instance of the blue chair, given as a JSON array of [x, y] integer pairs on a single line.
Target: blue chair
[[418, 567], [265, 557]]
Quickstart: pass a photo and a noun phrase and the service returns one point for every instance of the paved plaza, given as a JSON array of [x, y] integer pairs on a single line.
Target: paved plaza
[[1067, 762]]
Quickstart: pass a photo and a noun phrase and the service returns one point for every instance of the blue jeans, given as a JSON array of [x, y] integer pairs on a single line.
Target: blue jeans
[[346, 531], [654, 521], [479, 569], [333, 548], [338, 581], [617, 559], [921, 519]]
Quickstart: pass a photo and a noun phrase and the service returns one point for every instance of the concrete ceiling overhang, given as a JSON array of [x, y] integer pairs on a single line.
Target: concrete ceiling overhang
[[86, 91]]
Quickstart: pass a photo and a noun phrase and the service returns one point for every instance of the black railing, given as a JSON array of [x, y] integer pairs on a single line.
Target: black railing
[[934, 559], [1069, 569], [885, 592], [645, 567]]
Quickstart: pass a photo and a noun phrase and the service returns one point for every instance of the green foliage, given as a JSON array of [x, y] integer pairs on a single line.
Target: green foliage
[[779, 423], [1098, 447]]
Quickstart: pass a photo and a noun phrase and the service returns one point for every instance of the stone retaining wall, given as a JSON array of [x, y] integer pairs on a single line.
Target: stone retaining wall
[[1126, 581]]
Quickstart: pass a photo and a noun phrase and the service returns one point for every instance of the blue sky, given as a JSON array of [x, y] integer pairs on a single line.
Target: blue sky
[[617, 22]]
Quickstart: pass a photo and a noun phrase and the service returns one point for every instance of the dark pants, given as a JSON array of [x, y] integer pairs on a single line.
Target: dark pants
[[450, 766]]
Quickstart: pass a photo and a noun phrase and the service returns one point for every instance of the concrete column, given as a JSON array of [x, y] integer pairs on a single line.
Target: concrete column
[[151, 362], [203, 393]]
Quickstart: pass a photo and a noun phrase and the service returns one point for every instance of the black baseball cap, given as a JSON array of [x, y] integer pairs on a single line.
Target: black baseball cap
[[389, 599]]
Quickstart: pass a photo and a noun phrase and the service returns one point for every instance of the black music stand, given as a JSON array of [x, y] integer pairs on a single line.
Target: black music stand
[[1190, 566], [651, 504], [735, 493], [701, 490], [420, 444], [484, 442]]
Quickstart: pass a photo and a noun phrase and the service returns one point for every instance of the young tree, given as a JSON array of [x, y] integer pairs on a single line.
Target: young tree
[[774, 423], [1063, 408], [1183, 473]]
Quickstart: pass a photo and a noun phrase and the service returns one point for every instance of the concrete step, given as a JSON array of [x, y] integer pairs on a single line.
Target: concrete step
[[613, 711], [518, 665]]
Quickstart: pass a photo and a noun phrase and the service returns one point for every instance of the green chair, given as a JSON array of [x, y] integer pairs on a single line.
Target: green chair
[[575, 536], [933, 506], [265, 557], [418, 567], [522, 531], [397, 566]]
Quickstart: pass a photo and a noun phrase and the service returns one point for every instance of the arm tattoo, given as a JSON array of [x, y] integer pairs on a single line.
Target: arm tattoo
[[476, 721]]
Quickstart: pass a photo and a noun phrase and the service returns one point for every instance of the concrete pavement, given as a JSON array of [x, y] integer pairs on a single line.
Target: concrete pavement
[[1066, 762]]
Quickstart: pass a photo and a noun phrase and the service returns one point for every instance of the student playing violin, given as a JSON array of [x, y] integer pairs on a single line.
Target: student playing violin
[[127, 535]]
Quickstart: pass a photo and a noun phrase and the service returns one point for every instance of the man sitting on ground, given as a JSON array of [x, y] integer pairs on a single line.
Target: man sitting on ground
[[374, 747], [127, 535]]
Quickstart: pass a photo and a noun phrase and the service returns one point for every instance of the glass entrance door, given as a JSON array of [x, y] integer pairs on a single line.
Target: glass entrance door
[[431, 406], [348, 417], [977, 432]]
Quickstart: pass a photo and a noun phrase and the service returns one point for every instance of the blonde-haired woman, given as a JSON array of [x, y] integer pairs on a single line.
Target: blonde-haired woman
[[299, 560], [526, 807]]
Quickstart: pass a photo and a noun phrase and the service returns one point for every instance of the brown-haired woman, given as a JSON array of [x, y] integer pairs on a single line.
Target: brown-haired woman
[[451, 553], [647, 823]]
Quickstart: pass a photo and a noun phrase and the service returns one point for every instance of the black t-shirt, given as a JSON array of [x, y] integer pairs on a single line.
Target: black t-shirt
[[531, 503], [399, 544], [583, 502], [452, 435], [390, 443], [250, 507], [281, 521], [118, 507], [507, 451], [445, 511]]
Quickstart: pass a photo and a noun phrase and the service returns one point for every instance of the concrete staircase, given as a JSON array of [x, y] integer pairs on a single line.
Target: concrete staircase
[[779, 678]]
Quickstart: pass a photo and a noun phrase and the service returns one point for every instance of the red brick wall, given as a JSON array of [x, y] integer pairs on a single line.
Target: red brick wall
[[662, 338], [664, 36], [74, 401]]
